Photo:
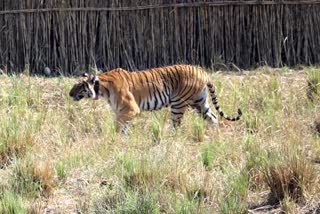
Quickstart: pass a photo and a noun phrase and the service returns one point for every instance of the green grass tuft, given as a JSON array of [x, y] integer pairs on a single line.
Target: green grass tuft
[[207, 155], [11, 203], [313, 81], [235, 200]]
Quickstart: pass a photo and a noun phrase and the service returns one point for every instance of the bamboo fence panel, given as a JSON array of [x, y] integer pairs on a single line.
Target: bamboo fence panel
[[74, 35]]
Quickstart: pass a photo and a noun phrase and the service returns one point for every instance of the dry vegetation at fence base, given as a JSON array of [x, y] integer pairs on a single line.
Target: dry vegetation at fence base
[[62, 156]]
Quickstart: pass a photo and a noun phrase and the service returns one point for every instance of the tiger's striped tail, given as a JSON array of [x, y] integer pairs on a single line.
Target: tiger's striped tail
[[216, 105]]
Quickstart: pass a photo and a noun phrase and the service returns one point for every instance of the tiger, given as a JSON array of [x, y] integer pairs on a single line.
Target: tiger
[[128, 93]]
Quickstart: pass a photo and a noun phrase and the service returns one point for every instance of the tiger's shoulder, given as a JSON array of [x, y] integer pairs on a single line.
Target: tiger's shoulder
[[117, 78]]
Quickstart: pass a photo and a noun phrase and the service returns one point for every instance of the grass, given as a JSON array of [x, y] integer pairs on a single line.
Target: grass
[[290, 179], [313, 80], [32, 179], [235, 200], [198, 129], [11, 203], [64, 155], [207, 155]]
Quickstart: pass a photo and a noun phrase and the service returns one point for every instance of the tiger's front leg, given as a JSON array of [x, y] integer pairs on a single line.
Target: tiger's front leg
[[128, 111], [121, 127], [123, 119]]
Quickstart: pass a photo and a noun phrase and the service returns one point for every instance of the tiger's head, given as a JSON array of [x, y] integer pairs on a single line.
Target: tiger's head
[[86, 87]]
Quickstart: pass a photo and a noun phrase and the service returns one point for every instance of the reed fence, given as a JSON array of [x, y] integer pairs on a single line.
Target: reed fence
[[72, 35]]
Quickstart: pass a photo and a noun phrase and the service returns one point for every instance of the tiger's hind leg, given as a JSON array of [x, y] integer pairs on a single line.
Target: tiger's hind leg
[[202, 107], [208, 115], [177, 114]]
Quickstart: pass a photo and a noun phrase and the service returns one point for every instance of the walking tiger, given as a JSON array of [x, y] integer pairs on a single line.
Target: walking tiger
[[129, 93]]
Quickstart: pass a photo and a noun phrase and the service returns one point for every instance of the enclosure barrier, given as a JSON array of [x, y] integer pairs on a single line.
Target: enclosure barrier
[[72, 35]]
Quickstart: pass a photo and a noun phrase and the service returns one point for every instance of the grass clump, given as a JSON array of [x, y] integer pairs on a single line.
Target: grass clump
[[61, 170], [313, 81], [134, 193], [198, 127], [32, 178], [207, 155], [235, 200], [289, 179], [156, 131], [256, 160], [11, 203], [137, 173], [121, 201], [252, 123], [14, 140], [188, 206], [126, 163], [144, 177]]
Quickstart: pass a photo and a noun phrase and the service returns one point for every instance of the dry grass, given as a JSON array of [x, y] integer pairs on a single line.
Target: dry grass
[[289, 180], [32, 178], [70, 155]]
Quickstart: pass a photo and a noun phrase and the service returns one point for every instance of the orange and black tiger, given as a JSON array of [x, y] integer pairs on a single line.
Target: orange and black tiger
[[128, 93]]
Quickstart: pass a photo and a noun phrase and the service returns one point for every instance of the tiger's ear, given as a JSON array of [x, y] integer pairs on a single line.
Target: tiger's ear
[[85, 75]]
